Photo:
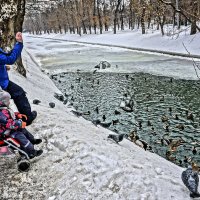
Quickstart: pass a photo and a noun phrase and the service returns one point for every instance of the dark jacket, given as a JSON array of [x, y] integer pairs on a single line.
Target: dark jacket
[[8, 59]]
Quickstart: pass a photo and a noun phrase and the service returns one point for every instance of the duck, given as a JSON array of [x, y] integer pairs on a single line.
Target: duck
[[153, 132], [72, 98], [195, 167], [133, 135], [166, 127], [97, 110], [141, 143], [180, 162], [190, 116], [162, 99], [117, 112], [175, 144], [180, 126], [127, 109], [149, 123], [97, 67], [87, 113], [175, 117], [140, 124], [169, 156], [104, 118], [187, 159], [78, 80], [178, 142], [127, 76], [166, 142], [76, 113], [194, 150], [94, 71], [36, 101], [105, 125], [148, 96], [164, 118]]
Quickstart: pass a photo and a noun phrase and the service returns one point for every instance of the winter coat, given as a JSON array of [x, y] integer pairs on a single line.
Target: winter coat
[[8, 59], [8, 121]]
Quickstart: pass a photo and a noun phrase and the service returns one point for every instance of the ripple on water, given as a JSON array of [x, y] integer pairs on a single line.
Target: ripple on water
[[154, 97]]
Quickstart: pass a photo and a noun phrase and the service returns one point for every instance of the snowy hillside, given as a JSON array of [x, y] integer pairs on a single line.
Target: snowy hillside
[[79, 162]]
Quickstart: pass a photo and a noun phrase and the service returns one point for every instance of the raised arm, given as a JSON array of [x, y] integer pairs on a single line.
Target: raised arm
[[15, 53]]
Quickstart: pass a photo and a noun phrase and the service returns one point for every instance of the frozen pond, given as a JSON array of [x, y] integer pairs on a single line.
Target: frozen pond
[[167, 109], [59, 56]]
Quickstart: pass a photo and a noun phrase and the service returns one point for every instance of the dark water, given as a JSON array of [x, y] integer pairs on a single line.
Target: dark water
[[153, 97]]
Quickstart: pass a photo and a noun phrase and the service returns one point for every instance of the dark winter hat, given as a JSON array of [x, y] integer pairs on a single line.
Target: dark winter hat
[[4, 97]]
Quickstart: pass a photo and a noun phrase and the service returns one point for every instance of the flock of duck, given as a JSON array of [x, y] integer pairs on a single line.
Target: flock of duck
[[128, 104]]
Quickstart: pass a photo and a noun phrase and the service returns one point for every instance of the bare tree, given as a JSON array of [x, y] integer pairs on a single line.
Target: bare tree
[[190, 15], [82, 15], [117, 4]]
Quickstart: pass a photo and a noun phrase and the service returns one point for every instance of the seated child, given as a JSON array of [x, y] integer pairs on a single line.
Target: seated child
[[11, 125]]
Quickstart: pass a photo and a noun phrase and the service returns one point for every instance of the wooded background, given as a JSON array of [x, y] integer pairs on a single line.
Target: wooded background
[[90, 16]]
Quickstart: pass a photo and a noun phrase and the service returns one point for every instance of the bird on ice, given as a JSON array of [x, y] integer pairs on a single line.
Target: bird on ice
[[117, 138], [190, 179], [36, 101]]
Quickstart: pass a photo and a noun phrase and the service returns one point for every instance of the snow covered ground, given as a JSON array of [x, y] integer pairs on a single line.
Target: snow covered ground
[[152, 40], [79, 162]]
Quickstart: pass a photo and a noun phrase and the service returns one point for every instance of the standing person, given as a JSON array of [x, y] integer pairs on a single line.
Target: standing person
[[17, 93]]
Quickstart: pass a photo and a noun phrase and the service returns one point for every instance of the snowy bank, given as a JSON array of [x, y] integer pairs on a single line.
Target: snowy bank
[[79, 162], [152, 41]]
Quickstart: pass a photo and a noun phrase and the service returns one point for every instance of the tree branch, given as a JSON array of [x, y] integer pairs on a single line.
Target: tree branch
[[179, 11]]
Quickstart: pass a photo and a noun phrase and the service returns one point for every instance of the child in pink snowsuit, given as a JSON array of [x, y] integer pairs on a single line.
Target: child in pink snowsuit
[[11, 125]]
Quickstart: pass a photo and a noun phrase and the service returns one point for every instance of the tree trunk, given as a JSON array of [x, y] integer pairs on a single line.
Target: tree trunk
[[84, 27], [99, 17], [161, 21], [116, 16], [194, 20], [10, 24], [142, 20], [94, 18], [193, 29], [122, 21]]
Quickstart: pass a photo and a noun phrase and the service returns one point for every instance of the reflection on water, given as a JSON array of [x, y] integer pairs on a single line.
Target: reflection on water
[[166, 108]]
